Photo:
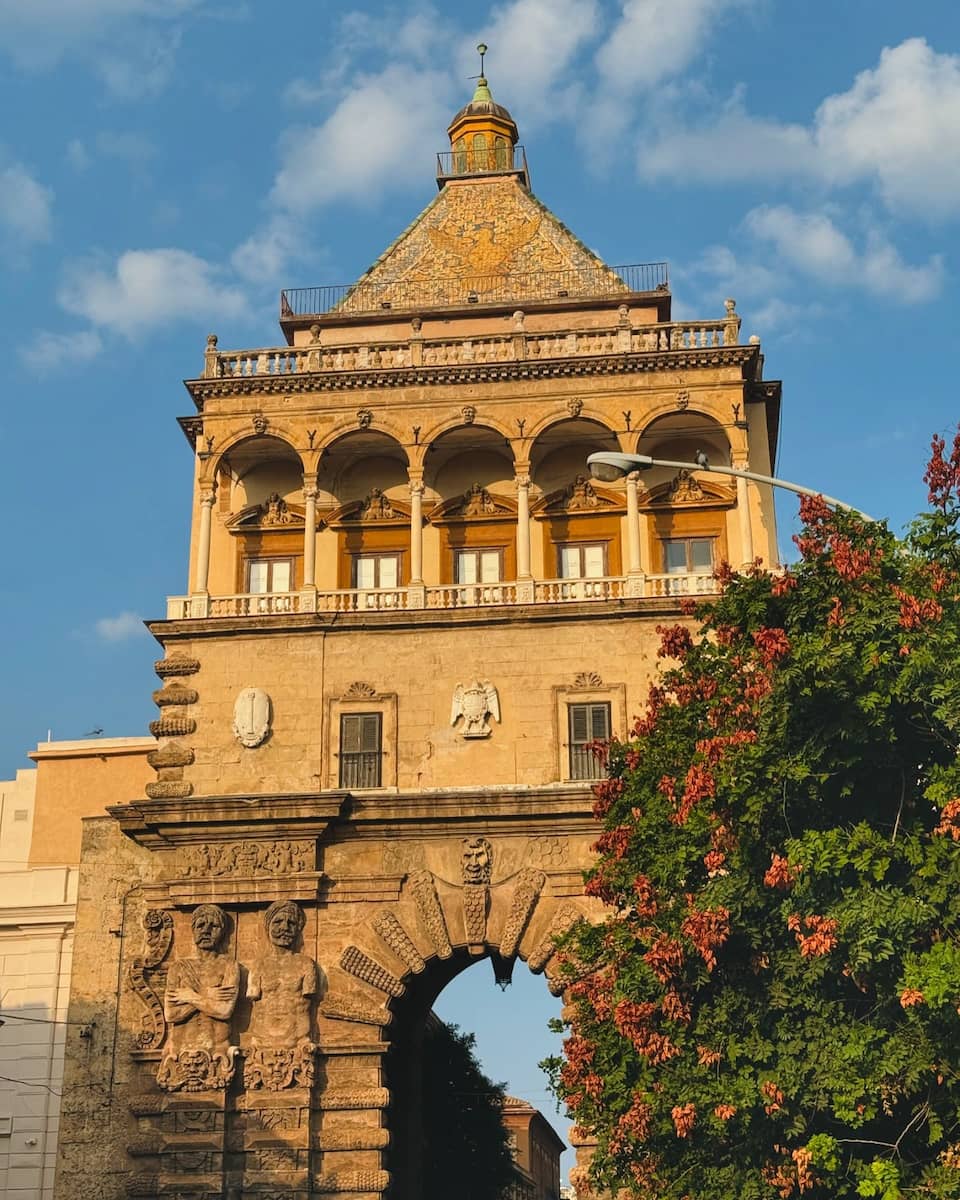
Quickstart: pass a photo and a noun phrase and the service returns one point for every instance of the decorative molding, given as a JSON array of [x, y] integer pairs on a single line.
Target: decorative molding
[[251, 717], [165, 667], [278, 1067], [424, 889], [475, 702], [351, 1101], [249, 857], [563, 919], [353, 1138], [368, 970], [389, 929], [476, 905], [170, 726], [352, 1181], [197, 1070], [174, 694], [360, 690], [158, 927], [587, 679], [563, 366], [526, 893], [168, 789], [350, 1010], [171, 754]]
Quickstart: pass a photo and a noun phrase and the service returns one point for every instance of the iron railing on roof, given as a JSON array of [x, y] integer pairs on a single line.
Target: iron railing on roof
[[488, 160], [583, 283]]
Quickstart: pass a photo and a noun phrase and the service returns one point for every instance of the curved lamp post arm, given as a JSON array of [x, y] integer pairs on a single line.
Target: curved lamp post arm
[[622, 464]]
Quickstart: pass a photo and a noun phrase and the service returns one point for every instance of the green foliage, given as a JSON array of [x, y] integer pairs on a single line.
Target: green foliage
[[464, 1136], [771, 1006]]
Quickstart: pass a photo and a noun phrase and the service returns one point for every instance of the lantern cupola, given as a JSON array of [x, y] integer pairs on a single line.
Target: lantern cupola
[[483, 137]]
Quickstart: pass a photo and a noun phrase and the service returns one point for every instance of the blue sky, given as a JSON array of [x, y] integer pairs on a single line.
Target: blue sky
[[166, 166]]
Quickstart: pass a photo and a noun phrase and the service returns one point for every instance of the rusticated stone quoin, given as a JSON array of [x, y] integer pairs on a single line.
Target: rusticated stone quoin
[[171, 754], [167, 667], [352, 1181], [169, 726], [348, 1010], [168, 789], [353, 1139], [173, 694], [362, 966], [354, 1100]]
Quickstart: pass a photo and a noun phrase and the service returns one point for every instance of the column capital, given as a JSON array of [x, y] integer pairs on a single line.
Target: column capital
[[417, 487], [522, 481], [208, 495]]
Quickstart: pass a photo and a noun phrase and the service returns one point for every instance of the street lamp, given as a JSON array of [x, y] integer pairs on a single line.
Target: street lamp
[[607, 466]]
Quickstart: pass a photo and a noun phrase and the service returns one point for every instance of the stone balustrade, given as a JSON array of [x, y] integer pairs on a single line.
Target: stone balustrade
[[442, 596], [516, 346]]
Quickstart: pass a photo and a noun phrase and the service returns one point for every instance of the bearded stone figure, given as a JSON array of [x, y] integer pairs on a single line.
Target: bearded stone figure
[[283, 985], [199, 1001]]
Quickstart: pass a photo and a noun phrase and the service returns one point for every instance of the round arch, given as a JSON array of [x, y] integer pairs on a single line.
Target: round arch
[[244, 444]]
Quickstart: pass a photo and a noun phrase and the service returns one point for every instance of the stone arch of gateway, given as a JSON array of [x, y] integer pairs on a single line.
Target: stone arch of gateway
[[409, 612]]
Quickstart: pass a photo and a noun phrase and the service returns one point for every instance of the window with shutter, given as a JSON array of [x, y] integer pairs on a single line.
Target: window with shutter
[[361, 750], [588, 723]]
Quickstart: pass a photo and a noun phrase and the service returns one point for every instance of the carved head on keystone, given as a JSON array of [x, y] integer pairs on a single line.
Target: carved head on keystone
[[476, 860], [283, 922], [209, 924]]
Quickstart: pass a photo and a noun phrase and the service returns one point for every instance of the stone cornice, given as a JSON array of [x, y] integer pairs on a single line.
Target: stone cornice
[[510, 371], [191, 628]]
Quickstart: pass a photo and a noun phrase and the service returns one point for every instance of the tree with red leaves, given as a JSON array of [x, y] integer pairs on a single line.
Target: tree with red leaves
[[772, 1005]]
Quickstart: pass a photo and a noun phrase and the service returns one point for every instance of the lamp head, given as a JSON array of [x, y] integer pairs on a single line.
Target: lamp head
[[607, 466]]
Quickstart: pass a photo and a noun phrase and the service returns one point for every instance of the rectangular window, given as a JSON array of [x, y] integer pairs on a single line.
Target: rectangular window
[[360, 750], [478, 566], [688, 556], [266, 575], [582, 560], [376, 570], [588, 723]]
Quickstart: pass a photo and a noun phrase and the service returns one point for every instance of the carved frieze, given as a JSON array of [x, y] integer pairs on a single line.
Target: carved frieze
[[349, 1010], [476, 703], [425, 897], [526, 892], [353, 1137], [352, 1181], [396, 937], [363, 967], [547, 851], [248, 858], [283, 985], [251, 717], [353, 1100], [158, 927], [199, 1001]]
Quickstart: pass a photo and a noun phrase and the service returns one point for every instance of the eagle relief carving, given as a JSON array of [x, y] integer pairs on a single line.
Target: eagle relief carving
[[476, 703]]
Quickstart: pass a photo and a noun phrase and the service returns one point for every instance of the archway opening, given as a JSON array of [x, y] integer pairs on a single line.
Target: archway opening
[[510, 1025]]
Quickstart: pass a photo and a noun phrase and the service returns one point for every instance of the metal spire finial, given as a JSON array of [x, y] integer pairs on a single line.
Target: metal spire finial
[[481, 50]]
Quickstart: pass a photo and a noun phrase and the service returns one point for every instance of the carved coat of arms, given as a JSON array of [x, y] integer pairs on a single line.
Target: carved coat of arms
[[476, 703]]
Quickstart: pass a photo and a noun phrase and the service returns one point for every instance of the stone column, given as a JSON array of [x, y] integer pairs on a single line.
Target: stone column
[[416, 592], [743, 514], [308, 590], [635, 576], [203, 544], [525, 590]]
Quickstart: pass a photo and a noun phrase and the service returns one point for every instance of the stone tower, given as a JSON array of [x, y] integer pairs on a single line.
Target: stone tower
[[410, 612]]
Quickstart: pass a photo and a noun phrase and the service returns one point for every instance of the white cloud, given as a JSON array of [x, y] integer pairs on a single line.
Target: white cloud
[[78, 156], [146, 288], [119, 628], [50, 352], [533, 43], [25, 205], [368, 141], [815, 246], [265, 254], [896, 128]]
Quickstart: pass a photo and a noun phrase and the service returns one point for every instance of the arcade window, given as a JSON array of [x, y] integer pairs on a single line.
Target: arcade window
[[361, 749], [582, 560], [587, 723], [265, 575], [478, 566], [693, 556], [376, 570]]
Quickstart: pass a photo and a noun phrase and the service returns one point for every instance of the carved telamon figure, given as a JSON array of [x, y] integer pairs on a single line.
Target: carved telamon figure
[[283, 984], [200, 998]]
